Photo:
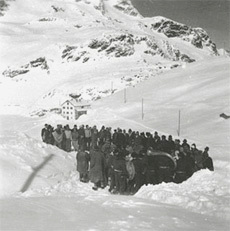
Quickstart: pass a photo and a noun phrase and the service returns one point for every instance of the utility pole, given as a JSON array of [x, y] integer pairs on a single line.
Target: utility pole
[[178, 131], [142, 109], [125, 95], [112, 87]]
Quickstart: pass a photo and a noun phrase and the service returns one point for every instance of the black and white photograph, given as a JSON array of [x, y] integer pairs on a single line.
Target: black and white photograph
[[114, 115]]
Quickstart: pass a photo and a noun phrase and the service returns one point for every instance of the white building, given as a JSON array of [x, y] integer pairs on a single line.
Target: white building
[[72, 109]]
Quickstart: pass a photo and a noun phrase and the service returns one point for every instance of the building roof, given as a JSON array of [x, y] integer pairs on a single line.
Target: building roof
[[76, 103]]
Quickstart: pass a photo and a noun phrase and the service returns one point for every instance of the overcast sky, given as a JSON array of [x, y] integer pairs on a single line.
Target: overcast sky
[[211, 15]]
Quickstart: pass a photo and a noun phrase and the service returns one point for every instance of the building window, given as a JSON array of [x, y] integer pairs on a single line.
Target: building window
[[67, 112], [67, 107], [63, 107], [71, 107]]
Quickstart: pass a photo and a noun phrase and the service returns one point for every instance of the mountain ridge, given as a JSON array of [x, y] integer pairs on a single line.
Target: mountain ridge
[[69, 39]]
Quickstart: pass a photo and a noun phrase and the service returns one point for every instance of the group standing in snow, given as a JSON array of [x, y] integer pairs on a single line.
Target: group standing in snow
[[126, 160]]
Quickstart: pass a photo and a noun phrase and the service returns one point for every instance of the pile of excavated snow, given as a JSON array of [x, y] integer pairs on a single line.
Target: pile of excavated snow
[[205, 192]]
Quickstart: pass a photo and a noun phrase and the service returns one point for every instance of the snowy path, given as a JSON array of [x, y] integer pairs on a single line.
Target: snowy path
[[111, 212]]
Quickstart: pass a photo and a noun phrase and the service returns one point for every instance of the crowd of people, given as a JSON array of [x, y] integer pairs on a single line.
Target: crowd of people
[[126, 160]]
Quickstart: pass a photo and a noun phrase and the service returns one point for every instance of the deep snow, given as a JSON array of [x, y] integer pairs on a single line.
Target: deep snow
[[40, 189], [55, 199]]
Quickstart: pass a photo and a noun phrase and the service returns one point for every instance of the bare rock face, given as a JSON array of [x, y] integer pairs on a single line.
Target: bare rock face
[[3, 6], [12, 73], [40, 62], [120, 45], [224, 116], [196, 36], [124, 45], [126, 7]]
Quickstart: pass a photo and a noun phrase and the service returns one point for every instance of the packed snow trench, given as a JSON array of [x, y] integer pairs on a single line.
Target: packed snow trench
[[40, 190]]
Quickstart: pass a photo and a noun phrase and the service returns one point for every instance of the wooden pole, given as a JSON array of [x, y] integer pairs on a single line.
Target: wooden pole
[[142, 108], [178, 131], [125, 95]]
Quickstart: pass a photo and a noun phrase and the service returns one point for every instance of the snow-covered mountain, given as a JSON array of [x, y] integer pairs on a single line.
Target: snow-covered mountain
[[51, 49], [96, 48]]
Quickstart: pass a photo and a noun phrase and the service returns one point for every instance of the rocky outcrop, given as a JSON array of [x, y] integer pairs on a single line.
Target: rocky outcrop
[[124, 45], [12, 73], [40, 62], [4, 4], [71, 53], [224, 116], [126, 7], [164, 49], [120, 45], [196, 36], [57, 9]]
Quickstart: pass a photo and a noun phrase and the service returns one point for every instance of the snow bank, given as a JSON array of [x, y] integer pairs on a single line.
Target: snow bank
[[27, 163], [205, 192]]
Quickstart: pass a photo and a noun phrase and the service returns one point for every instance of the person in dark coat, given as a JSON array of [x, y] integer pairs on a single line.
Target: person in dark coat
[[207, 160], [108, 134], [143, 140], [94, 136], [83, 164], [63, 143], [106, 150], [139, 178], [75, 137], [120, 171], [185, 145], [190, 164], [126, 136], [151, 168], [177, 145], [164, 145], [87, 137], [81, 139], [97, 163], [114, 136], [50, 138], [197, 155], [102, 136], [68, 140], [157, 141], [44, 133], [165, 169], [181, 169], [171, 144], [130, 137], [149, 140], [120, 140]]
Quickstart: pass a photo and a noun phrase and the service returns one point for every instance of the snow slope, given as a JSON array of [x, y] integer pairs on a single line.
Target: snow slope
[[63, 47], [48, 49], [195, 202]]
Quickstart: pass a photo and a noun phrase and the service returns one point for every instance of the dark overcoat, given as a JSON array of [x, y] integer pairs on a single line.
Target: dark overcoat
[[82, 162], [97, 164]]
